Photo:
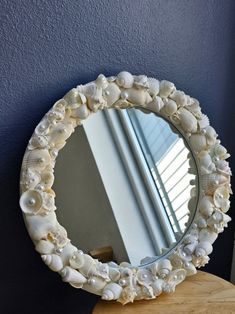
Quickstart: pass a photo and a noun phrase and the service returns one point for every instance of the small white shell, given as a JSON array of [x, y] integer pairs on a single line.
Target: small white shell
[[30, 178], [206, 206], [207, 235], [36, 159], [95, 284], [53, 261], [177, 276], [101, 81], [164, 268], [112, 291], [114, 274], [74, 98], [82, 112], [223, 167], [187, 120], [190, 269], [179, 97], [44, 247], [111, 94], [141, 82], [211, 135], [77, 260], [154, 86], [203, 122], [221, 198], [157, 286], [206, 164], [210, 182], [125, 79], [138, 97], [43, 127], [88, 268], [166, 88], [156, 104], [170, 107], [47, 178], [59, 133], [198, 142], [31, 202], [203, 248], [38, 141], [70, 275]]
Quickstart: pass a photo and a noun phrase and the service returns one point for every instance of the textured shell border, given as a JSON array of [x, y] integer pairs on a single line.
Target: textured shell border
[[124, 282]]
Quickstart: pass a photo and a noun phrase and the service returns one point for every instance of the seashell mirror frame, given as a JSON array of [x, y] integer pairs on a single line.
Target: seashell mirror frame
[[125, 283]]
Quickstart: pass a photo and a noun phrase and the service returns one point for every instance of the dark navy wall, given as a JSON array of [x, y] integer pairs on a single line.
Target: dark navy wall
[[48, 47]]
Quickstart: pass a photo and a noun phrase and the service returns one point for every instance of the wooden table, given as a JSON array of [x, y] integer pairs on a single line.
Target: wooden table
[[201, 293]]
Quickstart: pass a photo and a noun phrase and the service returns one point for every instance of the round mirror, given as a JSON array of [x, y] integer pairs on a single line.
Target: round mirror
[[124, 181]]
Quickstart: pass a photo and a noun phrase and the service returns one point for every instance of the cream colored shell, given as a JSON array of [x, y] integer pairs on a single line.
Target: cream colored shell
[[124, 282]]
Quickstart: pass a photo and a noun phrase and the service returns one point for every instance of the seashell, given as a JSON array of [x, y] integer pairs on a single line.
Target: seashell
[[37, 141], [170, 107], [198, 142], [125, 79], [95, 284], [58, 236], [177, 276], [211, 135], [203, 248], [189, 248], [114, 274], [203, 122], [60, 105], [111, 94], [200, 261], [223, 168], [138, 97], [54, 116], [190, 269], [72, 276], [101, 81], [66, 252], [156, 104], [166, 89], [144, 276], [206, 164], [59, 134], [74, 98], [44, 247], [206, 206], [221, 198], [216, 218], [43, 127], [210, 182], [164, 268], [77, 260], [102, 271], [47, 179], [141, 82], [82, 112], [154, 86], [219, 152], [179, 97], [53, 261], [207, 235], [30, 178], [37, 159], [89, 266], [112, 291], [187, 120], [31, 202], [39, 226], [157, 286], [48, 201]]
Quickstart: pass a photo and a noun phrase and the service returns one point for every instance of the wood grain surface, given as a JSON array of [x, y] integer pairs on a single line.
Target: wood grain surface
[[201, 293]]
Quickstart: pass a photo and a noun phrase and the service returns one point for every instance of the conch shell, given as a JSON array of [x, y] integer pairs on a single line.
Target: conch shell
[[112, 291], [72, 276]]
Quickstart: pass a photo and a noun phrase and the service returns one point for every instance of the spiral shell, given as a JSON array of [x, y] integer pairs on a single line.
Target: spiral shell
[[72, 276], [164, 268], [37, 159], [187, 120], [44, 247], [53, 261], [125, 79], [198, 142], [31, 202], [112, 291], [154, 86], [210, 182], [166, 88]]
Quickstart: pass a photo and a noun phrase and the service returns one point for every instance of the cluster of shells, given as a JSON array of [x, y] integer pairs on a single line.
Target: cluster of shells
[[124, 282]]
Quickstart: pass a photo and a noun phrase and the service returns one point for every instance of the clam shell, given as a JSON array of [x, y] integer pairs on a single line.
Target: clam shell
[[156, 104], [166, 88], [31, 202], [206, 206], [221, 198], [53, 261], [47, 179], [170, 107], [82, 112], [125, 79], [37, 159], [44, 247], [154, 86], [198, 142], [59, 133], [112, 291], [112, 94], [187, 120], [70, 275], [210, 182]]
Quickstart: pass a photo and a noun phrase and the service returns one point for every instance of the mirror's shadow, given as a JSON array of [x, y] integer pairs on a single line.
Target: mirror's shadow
[[123, 184]]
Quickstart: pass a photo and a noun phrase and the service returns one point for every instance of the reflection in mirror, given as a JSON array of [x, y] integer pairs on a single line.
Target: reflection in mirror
[[125, 186]]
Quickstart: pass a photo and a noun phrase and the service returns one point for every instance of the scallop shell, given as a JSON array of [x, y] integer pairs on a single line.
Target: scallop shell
[[82, 112], [207, 235], [203, 248], [44, 247], [154, 86], [170, 107], [203, 122], [198, 142], [53, 261], [37, 159], [221, 198], [70, 275], [166, 88], [31, 202], [141, 82], [125, 79], [59, 133], [112, 291], [144, 276], [206, 206], [210, 182], [47, 179], [156, 104], [187, 120], [179, 97], [112, 94]]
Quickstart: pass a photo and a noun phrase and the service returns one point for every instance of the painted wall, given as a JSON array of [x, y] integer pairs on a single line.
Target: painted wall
[[47, 47]]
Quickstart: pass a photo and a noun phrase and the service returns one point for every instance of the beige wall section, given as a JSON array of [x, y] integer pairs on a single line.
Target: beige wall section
[[82, 204]]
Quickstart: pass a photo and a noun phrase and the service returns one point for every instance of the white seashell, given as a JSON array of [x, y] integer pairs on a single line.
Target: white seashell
[[198, 142], [138, 97], [47, 179], [77, 260], [114, 274], [37, 141], [203, 248], [154, 86], [195, 109], [211, 135], [156, 104], [71, 275], [189, 248], [221, 198], [112, 291], [179, 97], [67, 251], [190, 269], [200, 261], [166, 88], [82, 112], [101, 81], [144, 276], [125, 79], [210, 182], [44, 247], [206, 164], [37, 159], [96, 283], [206, 206], [219, 152], [157, 286], [74, 98], [111, 94], [223, 167], [60, 105], [48, 201], [30, 178], [177, 276], [207, 235], [58, 236], [164, 268], [187, 120], [89, 266], [31, 202], [54, 116], [170, 107], [43, 127], [59, 134], [53, 261], [141, 82], [203, 122]]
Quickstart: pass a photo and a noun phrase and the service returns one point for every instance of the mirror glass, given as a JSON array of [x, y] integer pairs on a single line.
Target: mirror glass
[[126, 186]]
